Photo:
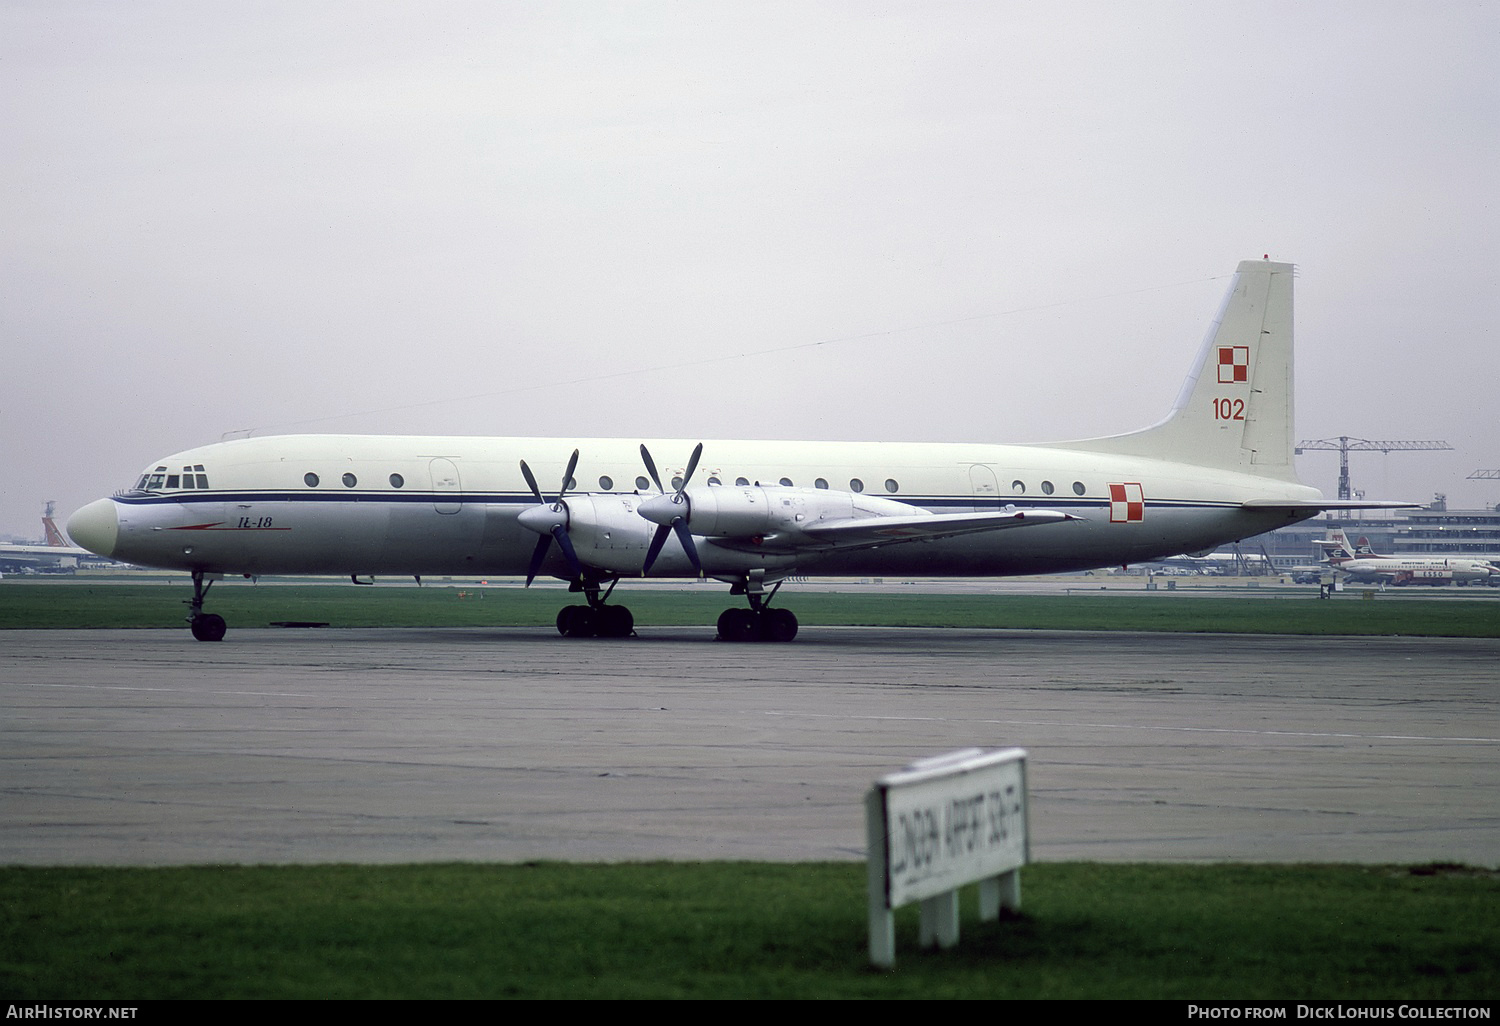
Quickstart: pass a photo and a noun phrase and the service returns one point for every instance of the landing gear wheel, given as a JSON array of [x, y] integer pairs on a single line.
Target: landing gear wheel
[[777, 625], [577, 622], [614, 622], [207, 627], [739, 625]]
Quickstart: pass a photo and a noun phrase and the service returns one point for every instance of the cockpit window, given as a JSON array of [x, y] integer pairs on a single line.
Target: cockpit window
[[156, 480]]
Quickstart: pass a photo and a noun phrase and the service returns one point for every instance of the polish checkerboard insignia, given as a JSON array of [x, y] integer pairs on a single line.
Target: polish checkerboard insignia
[[1127, 503], [1234, 364]]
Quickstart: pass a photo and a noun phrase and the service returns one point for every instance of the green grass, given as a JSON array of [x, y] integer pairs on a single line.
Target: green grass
[[736, 930], [81, 603]]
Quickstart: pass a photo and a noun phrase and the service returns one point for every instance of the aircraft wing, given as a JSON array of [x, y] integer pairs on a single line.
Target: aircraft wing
[[42, 554], [881, 530]]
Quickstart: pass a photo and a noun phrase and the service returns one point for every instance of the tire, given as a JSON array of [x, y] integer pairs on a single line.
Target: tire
[[739, 625], [615, 622], [778, 625], [581, 622], [208, 627]]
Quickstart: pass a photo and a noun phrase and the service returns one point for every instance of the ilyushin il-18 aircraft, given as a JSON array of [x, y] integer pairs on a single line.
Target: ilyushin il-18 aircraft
[[747, 513]]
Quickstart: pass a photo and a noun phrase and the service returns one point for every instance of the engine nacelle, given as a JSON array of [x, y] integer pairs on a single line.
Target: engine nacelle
[[607, 523], [748, 511]]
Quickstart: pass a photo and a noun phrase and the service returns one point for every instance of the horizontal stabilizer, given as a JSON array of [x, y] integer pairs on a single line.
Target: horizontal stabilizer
[[1319, 505]]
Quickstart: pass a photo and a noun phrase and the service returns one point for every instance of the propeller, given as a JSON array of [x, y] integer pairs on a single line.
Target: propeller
[[550, 520], [672, 512]]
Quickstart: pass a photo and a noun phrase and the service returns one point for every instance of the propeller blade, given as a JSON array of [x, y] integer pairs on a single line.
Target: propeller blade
[[678, 523], [561, 534], [550, 520], [568, 475], [531, 480], [685, 536], [651, 467], [687, 475], [657, 541], [537, 555]]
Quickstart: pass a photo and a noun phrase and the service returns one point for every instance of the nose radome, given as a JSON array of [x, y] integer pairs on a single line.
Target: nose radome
[[95, 527]]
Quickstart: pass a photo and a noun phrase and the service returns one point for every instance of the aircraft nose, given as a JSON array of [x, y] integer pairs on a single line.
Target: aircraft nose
[[95, 527]]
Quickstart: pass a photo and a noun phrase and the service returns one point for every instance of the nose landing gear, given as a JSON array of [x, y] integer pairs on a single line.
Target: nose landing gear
[[205, 626]]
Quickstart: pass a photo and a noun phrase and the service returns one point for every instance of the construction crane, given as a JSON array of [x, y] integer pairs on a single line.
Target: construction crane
[[1344, 445]]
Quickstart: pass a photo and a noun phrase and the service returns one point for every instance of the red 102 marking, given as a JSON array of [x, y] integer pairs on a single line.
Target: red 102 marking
[[1229, 409]]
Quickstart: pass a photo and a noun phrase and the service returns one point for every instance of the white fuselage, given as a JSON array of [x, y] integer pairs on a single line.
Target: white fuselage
[[1417, 569], [449, 505]]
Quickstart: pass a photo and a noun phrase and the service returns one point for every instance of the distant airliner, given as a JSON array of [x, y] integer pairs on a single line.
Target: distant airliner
[[1361, 563], [748, 513], [56, 553]]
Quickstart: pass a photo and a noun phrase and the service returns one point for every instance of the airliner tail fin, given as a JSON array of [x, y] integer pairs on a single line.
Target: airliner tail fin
[[1234, 411]]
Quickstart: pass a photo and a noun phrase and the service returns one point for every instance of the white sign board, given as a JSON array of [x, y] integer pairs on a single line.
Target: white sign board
[[940, 824]]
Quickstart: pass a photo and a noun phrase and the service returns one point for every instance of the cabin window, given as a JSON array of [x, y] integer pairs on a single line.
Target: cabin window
[[310, 479], [350, 480], [1047, 488], [856, 485], [891, 485], [397, 481], [1078, 488], [715, 482], [677, 484], [786, 482], [606, 482], [642, 484], [1019, 487], [743, 482], [820, 483]]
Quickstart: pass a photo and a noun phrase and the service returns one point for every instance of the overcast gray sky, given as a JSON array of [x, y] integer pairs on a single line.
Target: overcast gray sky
[[844, 220]]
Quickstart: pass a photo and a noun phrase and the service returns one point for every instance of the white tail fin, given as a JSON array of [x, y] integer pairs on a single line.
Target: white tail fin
[[1235, 409], [1340, 549]]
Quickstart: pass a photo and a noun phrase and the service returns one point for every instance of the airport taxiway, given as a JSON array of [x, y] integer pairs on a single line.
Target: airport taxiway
[[143, 747]]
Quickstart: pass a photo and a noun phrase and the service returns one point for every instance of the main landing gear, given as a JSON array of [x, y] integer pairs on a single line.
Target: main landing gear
[[205, 626], [760, 622], [595, 620], [598, 619]]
